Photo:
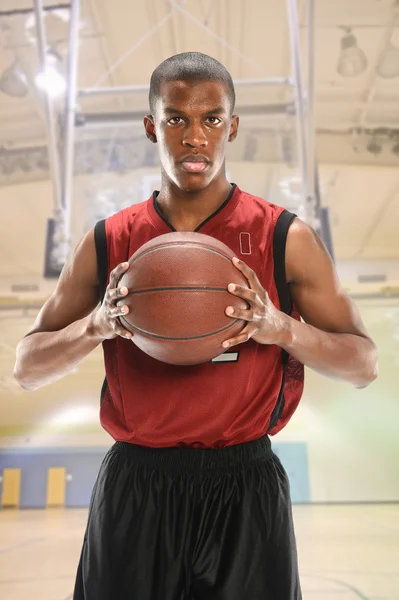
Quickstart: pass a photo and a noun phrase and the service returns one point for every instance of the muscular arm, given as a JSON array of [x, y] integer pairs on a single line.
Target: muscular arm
[[333, 340], [63, 333]]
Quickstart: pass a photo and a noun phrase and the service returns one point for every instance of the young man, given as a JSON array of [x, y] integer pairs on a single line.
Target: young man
[[191, 502]]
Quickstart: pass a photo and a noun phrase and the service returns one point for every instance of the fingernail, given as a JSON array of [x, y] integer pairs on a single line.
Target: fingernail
[[235, 260], [230, 310], [231, 287], [125, 309], [124, 290], [225, 344]]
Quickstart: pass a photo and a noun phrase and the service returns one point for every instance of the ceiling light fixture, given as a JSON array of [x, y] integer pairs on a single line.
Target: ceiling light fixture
[[352, 60], [14, 82]]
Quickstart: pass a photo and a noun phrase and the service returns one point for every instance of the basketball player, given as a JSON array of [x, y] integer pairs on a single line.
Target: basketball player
[[190, 502]]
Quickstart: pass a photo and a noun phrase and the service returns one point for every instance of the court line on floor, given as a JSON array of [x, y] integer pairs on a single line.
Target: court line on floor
[[368, 573], [34, 579], [21, 545], [358, 593]]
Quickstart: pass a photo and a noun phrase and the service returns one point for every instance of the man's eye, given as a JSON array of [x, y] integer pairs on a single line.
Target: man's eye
[[214, 120], [174, 120]]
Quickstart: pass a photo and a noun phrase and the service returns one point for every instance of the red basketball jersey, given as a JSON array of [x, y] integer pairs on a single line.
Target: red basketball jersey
[[250, 390]]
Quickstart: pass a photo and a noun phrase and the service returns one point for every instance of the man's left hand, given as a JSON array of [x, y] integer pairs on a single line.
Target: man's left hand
[[264, 320]]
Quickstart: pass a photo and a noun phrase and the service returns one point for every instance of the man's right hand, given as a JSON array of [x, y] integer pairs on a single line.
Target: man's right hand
[[105, 319], [69, 325]]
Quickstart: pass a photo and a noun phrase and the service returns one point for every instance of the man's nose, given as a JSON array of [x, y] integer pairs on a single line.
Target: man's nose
[[194, 136]]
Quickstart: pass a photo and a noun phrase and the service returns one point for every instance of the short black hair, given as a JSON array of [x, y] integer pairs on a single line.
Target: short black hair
[[190, 66]]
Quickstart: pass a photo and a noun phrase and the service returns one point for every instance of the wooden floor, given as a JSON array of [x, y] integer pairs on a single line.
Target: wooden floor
[[345, 552]]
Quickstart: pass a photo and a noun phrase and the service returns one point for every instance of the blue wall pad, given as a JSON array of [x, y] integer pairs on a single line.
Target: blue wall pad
[[83, 464], [294, 457]]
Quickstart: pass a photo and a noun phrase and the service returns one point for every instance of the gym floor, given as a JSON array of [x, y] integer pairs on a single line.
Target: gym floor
[[345, 552]]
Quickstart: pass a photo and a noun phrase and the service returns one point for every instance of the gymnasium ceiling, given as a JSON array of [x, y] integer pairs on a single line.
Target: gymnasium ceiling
[[122, 41]]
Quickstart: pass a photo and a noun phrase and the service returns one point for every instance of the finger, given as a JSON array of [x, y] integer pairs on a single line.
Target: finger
[[248, 294], [242, 337], [246, 271], [115, 294], [120, 330], [117, 273], [237, 313], [117, 311]]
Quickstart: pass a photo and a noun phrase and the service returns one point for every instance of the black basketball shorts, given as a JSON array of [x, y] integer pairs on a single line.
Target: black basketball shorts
[[190, 524]]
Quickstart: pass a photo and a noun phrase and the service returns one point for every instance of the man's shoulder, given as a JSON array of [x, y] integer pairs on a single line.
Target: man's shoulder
[[257, 203], [129, 212]]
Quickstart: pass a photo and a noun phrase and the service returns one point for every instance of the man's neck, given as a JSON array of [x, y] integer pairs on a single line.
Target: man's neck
[[185, 211]]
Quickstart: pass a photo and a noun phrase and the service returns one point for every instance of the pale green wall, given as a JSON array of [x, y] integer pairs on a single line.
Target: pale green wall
[[352, 435]]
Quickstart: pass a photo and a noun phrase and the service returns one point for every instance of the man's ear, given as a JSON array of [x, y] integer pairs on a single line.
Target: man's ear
[[234, 128], [150, 128]]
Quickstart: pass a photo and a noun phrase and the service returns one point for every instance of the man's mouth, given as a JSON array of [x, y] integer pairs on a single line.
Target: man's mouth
[[194, 167], [195, 163]]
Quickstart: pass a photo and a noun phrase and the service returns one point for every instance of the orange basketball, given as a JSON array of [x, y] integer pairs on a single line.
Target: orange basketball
[[177, 297]]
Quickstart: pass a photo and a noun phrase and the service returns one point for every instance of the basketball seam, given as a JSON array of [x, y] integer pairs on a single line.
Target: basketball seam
[[187, 244], [178, 339], [180, 289]]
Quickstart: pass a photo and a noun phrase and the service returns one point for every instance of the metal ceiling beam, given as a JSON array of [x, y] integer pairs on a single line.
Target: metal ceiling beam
[[305, 208], [218, 38], [27, 11], [69, 117], [134, 117], [134, 47], [131, 89], [310, 102], [49, 109]]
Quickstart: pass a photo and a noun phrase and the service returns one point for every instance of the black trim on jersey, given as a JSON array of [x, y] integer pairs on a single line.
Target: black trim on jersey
[[220, 207], [104, 388], [164, 219], [154, 199], [279, 244], [100, 241]]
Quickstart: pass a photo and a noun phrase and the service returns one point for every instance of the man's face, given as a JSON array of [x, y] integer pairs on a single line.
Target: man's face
[[192, 124]]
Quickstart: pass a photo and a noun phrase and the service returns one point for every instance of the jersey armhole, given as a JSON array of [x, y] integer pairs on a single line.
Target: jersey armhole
[[279, 244], [100, 240]]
